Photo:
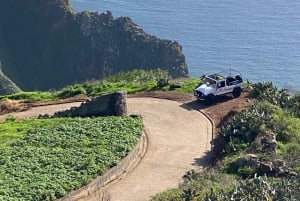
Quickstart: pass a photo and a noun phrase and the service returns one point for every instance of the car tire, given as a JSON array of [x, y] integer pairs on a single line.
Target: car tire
[[210, 99], [236, 92]]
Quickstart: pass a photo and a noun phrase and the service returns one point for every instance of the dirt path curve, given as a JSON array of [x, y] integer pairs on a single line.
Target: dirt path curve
[[179, 139]]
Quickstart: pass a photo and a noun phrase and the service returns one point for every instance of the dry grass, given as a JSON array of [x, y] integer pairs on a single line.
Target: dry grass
[[7, 106]]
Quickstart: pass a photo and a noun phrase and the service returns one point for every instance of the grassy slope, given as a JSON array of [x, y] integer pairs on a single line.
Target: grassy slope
[[132, 82]]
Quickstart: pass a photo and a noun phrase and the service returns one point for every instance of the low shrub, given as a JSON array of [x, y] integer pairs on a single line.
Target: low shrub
[[259, 188], [266, 91], [172, 195], [243, 128], [70, 91]]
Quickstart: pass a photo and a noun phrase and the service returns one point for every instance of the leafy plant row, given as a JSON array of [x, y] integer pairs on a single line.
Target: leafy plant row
[[50, 161]]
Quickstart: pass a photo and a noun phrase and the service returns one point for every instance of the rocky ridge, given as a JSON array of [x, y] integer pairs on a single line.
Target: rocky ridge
[[49, 45]]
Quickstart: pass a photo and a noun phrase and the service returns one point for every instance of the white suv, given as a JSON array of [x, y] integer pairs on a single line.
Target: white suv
[[219, 84]]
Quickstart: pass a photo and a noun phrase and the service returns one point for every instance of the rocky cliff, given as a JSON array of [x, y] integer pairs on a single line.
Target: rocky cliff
[[6, 85], [48, 45]]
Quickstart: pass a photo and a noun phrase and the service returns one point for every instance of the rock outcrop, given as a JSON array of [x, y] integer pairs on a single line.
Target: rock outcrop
[[6, 85], [262, 158], [264, 143], [48, 45]]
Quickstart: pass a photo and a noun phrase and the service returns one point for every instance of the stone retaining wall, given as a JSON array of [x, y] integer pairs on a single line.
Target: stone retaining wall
[[97, 187], [107, 105]]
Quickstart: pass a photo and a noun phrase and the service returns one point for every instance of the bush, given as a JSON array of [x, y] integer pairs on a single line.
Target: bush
[[259, 188], [286, 127], [197, 184], [244, 127], [71, 91], [139, 76], [170, 195], [266, 91], [291, 154]]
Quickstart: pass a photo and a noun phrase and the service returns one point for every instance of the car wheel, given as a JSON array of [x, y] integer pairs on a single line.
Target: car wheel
[[236, 92], [210, 99]]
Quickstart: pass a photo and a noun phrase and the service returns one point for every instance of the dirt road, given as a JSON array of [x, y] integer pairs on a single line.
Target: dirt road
[[179, 139]]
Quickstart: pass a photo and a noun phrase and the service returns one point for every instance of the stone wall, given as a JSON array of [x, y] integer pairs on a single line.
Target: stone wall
[[97, 188], [107, 105]]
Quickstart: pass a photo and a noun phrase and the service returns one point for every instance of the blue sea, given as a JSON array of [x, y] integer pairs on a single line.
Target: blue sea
[[260, 38]]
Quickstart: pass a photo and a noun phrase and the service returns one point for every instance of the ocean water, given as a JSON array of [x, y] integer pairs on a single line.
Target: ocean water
[[259, 38]]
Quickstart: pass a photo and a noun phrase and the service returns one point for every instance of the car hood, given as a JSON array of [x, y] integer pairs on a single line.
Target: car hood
[[206, 89]]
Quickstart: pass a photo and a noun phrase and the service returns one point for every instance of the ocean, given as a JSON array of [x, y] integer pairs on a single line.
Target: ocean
[[261, 39]]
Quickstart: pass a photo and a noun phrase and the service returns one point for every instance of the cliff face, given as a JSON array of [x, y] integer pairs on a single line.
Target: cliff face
[[6, 85], [48, 45]]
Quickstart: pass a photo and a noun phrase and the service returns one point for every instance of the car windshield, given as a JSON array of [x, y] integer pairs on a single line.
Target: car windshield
[[209, 81]]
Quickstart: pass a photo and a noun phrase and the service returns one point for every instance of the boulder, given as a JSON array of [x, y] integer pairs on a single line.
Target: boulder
[[264, 143]]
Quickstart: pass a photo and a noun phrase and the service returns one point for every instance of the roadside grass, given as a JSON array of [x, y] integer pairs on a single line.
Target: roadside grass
[[44, 159], [197, 185], [132, 82], [184, 85]]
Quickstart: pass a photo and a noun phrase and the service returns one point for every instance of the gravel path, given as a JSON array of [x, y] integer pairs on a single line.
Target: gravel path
[[179, 139]]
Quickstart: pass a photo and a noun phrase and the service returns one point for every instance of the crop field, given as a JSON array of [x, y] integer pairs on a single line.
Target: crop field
[[44, 159]]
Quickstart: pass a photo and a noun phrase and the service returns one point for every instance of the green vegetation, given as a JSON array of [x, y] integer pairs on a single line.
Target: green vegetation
[[213, 186], [258, 188], [30, 96], [133, 81], [12, 130], [273, 171], [46, 159], [266, 91]]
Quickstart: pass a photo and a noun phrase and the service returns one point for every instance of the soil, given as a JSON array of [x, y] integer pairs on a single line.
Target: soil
[[219, 111]]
